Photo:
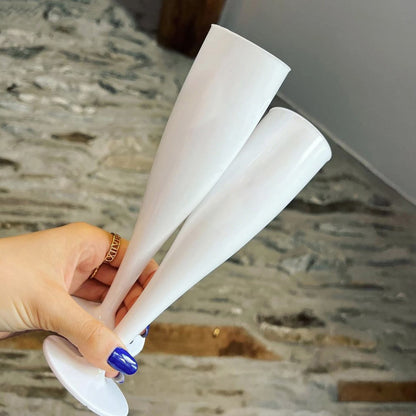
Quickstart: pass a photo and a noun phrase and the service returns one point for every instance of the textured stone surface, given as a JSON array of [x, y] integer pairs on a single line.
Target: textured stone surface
[[84, 98]]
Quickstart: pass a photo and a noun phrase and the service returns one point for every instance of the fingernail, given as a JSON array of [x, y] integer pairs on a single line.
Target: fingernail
[[146, 332], [119, 378], [122, 361]]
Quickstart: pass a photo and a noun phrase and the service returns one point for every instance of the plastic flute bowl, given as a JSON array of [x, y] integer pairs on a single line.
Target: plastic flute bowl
[[227, 90]]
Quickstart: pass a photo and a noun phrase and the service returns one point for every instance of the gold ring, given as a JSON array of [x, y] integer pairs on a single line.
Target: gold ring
[[112, 252]]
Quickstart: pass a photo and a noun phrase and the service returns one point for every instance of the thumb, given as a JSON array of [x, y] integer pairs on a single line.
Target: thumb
[[100, 346]]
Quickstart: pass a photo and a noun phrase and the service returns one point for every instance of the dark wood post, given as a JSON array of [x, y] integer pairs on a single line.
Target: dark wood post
[[184, 24]]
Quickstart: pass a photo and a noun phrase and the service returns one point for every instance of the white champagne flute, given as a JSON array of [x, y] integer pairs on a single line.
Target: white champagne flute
[[282, 155], [227, 90]]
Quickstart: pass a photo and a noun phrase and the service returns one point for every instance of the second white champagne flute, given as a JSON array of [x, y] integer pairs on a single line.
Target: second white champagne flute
[[282, 155]]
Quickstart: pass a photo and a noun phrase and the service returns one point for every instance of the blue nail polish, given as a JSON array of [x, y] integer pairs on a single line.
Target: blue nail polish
[[122, 361], [119, 378], [146, 332]]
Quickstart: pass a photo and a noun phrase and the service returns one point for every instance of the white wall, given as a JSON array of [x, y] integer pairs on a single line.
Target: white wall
[[353, 71]]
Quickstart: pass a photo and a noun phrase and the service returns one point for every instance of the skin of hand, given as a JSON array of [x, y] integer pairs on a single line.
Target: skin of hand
[[40, 271]]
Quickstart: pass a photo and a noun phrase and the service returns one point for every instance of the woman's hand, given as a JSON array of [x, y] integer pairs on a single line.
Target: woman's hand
[[40, 271]]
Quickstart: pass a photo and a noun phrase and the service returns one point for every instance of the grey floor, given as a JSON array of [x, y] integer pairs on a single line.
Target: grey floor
[[84, 98]]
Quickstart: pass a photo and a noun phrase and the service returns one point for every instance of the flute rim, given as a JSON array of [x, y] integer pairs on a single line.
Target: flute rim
[[306, 121], [267, 53]]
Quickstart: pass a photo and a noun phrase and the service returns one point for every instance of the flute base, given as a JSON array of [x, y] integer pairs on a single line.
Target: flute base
[[86, 383]]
